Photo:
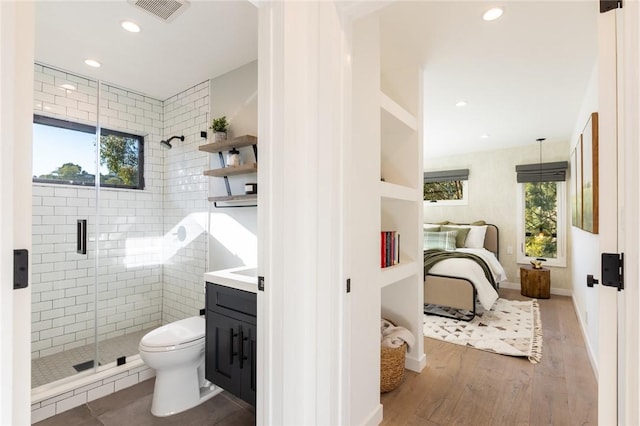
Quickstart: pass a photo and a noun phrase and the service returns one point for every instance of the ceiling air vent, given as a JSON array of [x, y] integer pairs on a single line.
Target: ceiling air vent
[[166, 10]]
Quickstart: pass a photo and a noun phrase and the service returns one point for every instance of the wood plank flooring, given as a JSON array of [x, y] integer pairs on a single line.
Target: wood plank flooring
[[466, 386]]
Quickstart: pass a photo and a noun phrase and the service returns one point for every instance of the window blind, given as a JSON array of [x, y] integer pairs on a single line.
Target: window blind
[[446, 175], [545, 172]]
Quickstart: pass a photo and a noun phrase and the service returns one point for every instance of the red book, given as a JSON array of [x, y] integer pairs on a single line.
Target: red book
[[383, 245]]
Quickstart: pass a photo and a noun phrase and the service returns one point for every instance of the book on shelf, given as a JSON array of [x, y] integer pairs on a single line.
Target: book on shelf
[[389, 248]]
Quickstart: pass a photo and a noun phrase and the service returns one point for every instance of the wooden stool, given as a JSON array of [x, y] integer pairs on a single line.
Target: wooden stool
[[535, 282]]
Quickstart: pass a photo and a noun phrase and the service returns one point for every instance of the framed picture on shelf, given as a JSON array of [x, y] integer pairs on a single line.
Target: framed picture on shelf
[[590, 175]]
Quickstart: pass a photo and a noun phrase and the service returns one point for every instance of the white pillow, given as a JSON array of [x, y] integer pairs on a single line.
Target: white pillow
[[475, 237]]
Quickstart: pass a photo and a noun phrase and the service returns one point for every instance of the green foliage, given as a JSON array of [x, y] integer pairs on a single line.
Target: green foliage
[[541, 219], [69, 172], [219, 124], [120, 155], [449, 190]]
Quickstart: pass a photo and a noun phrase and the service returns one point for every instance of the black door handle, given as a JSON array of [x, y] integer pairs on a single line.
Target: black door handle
[[81, 239], [591, 281]]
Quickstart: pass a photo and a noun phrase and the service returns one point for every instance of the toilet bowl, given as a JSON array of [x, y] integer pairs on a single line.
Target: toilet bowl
[[176, 352]]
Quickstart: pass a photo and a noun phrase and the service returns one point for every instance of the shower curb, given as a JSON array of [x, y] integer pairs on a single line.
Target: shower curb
[[65, 394]]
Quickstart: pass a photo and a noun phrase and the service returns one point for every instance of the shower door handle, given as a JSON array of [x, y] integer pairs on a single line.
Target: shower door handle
[[81, 239]]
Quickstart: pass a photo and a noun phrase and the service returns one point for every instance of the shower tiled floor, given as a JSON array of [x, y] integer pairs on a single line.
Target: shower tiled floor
[[58, 366]]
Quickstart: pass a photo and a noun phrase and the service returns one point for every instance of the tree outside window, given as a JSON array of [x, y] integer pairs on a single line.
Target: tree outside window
[[121, 156], [66, 154], [446, 190], [541, 219]]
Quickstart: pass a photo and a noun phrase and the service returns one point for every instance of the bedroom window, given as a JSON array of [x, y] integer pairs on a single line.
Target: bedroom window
[[66, 155], [542, 213], [448, 187]]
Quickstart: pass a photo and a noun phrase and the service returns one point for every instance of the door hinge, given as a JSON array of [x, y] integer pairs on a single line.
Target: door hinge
[[613, 270], [261, 283], [607, 5], [348, 285]]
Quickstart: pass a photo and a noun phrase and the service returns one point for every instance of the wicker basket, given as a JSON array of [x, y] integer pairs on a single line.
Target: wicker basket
[[391, 367]]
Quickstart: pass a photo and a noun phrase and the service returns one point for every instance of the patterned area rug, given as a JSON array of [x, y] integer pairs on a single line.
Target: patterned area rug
[[511, 327]]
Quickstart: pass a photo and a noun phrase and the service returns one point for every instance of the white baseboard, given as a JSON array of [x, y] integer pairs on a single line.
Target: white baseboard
[[583, 329], [416, 365], [375, 418]]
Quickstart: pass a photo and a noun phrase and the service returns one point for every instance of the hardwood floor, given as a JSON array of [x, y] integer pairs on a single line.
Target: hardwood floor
[[466, 386]]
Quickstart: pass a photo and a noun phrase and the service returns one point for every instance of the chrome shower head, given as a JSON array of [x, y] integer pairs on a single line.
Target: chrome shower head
[[167, 144]]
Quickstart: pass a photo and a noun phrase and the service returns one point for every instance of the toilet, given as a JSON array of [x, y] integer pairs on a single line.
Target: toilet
[[176, 352]]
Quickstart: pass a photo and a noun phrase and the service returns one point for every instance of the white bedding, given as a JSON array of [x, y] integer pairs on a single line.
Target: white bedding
[[469, 269]]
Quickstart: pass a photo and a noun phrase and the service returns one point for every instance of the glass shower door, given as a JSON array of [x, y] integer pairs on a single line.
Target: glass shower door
[[129, 223], [64, 210]]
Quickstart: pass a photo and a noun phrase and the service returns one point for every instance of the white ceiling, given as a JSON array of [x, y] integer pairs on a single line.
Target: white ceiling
[[524, 76], [208, 39]]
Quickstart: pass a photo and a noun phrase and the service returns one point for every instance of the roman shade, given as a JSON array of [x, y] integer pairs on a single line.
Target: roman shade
[[545, 172], [446, 175]]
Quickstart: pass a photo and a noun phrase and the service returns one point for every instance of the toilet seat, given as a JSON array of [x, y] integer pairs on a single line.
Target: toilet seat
[[176, 335]]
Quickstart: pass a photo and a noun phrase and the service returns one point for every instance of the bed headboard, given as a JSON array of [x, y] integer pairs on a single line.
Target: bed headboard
[[492, 240]]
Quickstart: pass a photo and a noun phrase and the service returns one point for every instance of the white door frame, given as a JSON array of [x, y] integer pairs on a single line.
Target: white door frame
[[629, 158], [301, 323], [619, 93], [16, 109], [304, 129]]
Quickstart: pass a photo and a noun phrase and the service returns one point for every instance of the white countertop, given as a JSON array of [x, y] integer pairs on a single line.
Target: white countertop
[[241, 278]]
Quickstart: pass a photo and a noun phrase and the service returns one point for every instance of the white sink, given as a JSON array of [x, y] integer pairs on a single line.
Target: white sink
[[251, 272], [242, 278]]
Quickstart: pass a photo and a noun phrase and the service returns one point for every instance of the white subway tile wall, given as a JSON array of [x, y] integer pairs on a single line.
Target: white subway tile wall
[[185, 203]]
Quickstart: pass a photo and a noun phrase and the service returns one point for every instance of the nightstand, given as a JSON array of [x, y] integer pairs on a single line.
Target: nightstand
[[535, 282]]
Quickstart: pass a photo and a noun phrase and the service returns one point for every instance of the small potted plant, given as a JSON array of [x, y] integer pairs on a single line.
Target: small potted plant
[[219, 126]]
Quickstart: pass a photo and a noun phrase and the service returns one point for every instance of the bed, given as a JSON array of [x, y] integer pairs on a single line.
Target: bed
[[453, 285]]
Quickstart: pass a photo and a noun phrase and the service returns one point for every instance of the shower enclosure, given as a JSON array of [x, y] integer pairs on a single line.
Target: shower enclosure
[[97, 224]]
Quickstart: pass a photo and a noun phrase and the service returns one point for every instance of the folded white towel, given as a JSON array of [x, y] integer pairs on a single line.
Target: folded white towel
[[394, 337]]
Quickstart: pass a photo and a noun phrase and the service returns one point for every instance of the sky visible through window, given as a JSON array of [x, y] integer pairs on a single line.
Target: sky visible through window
[[55, 146]]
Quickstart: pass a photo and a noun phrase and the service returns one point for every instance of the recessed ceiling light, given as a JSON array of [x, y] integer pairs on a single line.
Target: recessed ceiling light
[[484, 136], [492, 14], [132, 27], [461, 103], [68, 86], [92, 63]]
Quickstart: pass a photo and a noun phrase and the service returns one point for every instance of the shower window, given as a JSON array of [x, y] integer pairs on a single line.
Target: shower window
[[66, 155]]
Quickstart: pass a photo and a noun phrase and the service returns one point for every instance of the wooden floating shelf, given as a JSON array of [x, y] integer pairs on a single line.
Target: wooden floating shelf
[[230, 171], [242, 197], [239, 142]]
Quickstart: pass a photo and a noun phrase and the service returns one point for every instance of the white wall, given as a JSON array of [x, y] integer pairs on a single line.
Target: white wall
[[233, 231], [130, 226], [585, 251], [493, 197]]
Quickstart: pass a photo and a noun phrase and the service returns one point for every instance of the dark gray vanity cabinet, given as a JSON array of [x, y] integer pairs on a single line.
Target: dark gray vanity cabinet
[[230, 359]]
